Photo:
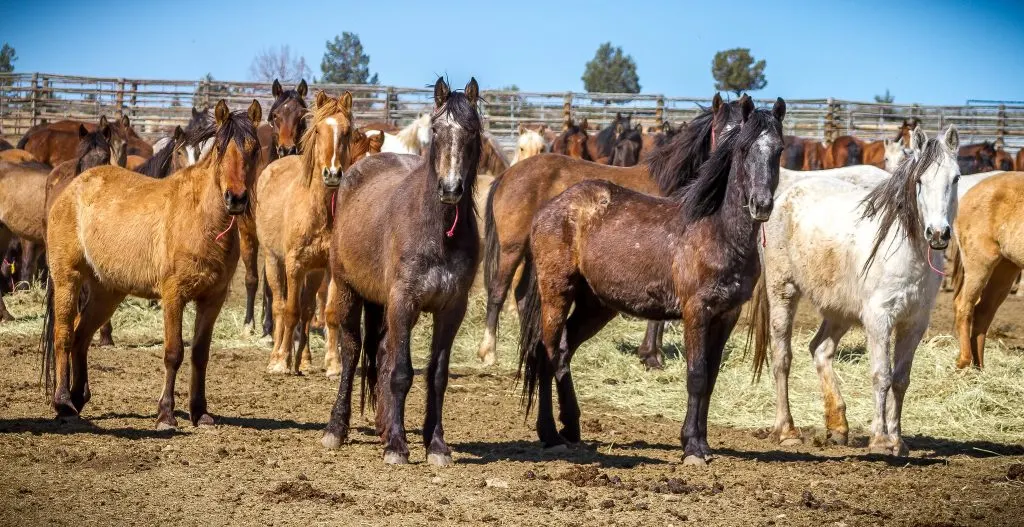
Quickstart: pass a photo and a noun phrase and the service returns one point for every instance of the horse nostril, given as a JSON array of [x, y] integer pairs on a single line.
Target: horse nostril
[[946, 233], [928, 232]]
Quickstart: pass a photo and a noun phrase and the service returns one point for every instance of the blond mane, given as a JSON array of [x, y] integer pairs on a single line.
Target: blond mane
[[307, 143]]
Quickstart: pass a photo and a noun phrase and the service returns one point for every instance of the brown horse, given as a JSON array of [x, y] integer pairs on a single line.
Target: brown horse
[[177, 257], [518, 194], [628, 145], [845, 151], [1003, 161], [492, 158], [603, 143], [655, 138], [794, 152], [406, 242], [977, 158], [55, 143], [574, 141], [990, 233], [22, 193], [1019, 164], [815, 154], [293, 219], [692, 256]]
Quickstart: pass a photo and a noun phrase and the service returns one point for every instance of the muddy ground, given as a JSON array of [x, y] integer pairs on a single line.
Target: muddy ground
[[263, 463]]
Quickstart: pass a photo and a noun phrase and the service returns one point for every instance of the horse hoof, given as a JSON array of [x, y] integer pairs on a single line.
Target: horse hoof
[[278, 368], [333, 374], [487, 359], [162, 426], [395, 458], [65, 410], [267, 339], [331, 441], [205, 421], [439, 460], [838, 439], [106, 343], [696, 461], [791, 441]]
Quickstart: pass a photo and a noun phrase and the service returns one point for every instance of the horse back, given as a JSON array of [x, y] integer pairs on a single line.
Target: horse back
[[22, 198]]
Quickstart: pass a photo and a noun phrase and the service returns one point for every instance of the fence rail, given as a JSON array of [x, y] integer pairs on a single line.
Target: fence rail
[[155, 106]]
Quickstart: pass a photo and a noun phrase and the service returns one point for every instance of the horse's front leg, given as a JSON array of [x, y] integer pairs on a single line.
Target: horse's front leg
[[881, 381], [396, 376], [650, 350], [207, 310], [249, 248], [719, 329], [705, 337], [290, 316], [341, 319], [173, 353], [905, 345], [446, 325]]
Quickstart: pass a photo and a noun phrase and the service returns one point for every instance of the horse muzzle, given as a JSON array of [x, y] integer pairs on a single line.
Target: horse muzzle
[[760, 209], [938, 239], [449, 194], [236, 203], [332, 177]]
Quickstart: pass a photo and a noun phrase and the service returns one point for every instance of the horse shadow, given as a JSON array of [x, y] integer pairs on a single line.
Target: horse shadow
[[81, 426], [584, 453]]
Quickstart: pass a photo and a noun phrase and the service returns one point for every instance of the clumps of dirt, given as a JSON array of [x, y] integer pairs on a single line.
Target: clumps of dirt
[[541, 499], [585, 476], [593, 426], [1015, 472], [676, 486], [290, 491]]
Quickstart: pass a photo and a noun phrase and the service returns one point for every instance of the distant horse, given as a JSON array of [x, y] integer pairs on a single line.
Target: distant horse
[[1003, 161], [529, 143], [885, 154], [17, 156], [574, 141], [406, 241], [1019, 164], [293, 219], [413, 139], [793, 152], [691, 256], [517, 195], [878, 263], [492, 158], [628, 145], [655, 138], [845, 151], [991, 256], [167, 254], [975, 158], [170, 157], [602, 144], [815, 154], [55, 143]]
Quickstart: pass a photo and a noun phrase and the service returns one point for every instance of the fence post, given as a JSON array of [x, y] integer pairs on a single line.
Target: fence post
[[830, 122], [1001, 131], [566, 110], [388, 96], [35, 98], [659, 112], [205, 89], [120, 95], [134, 99]]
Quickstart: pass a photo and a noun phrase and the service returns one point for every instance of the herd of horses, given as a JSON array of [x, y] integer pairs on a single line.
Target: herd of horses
[[362, 228]]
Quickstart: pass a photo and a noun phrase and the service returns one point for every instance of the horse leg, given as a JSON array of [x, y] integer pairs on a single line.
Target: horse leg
[[995, 292], [696, 335], [717, 335], [207, 310], [650, 350], [446, 325], [878, 333], [321, 303], [28, 258], [332, 322], [290, 319], [96, 312], [268, 307], [274, 273], [66, 288], [823, 350], [396, 377], [977, 273], [588, 317], [497, 291], [782, 308], [174, 351], [307, 310], [344, 308], [905, 343], [107, 334], [249, 248]]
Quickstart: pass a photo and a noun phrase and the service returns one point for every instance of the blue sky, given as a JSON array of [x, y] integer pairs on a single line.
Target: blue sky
[[931, 52]]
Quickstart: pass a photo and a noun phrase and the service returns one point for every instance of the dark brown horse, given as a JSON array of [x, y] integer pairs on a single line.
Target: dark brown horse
[[692, 256], [1003, 160], [406, 241], [603, 144], [628, 144], [55, 143], [518, 194], [574, 141], [793, 152], [976, 158], [845, 151]]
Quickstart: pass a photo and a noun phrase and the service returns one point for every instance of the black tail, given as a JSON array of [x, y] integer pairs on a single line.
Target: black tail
[[492, 247], [854, 154], [23, 141], [48, 371], [268, 302], [373, 320], [530, 348]]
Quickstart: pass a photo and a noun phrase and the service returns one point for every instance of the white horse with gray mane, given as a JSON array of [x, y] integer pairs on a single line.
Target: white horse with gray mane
[[872, 257], [412, 139]]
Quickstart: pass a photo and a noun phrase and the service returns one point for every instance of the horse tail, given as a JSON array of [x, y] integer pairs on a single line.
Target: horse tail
[[757, 332], [531, 350], [854, 154], [368, 386], [957, 272], [23, 141], [48, 369], [267, 302], [492, 246]]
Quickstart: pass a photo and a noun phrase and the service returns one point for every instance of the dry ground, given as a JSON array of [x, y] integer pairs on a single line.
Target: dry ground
[[263, 463]]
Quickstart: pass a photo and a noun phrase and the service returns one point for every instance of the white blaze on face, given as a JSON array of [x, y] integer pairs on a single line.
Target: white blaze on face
[[451, 161], [333, 123], [936, 194]]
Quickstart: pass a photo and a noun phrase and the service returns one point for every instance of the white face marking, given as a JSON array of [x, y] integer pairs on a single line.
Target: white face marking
[[936, 196], [458, 133], [333, 123]]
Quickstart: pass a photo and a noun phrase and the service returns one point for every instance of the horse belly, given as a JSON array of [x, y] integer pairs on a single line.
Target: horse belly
[[119, 260], [632, 291]]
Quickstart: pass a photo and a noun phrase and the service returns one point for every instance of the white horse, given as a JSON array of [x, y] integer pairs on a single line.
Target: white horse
[[869, 257], [864, 176], [894, 154], [412, 139], [530, 143]]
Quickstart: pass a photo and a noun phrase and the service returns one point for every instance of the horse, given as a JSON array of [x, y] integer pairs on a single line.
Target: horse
[[169, 157], [55, 143], [815, 155], [176, 257], [690, 256], [864, 176], [628, 145], [655, 138], [845, 151], [602, 144], [1003, 161], [293, 219], [4, 145], [406, 241], [517, 195], [1019, 163], [17, 156], [413, 139], [991, 255], [492, 158], [793, 152], [878, 263], [529, 143], [574, 141], [978, 157]]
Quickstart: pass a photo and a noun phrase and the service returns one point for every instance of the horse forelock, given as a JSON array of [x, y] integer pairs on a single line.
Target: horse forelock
[[307, 144]]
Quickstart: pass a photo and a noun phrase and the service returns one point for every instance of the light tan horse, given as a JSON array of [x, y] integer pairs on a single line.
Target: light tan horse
[[17, 156], [22, 193], [990, 235], [182, 247], [293, 219]]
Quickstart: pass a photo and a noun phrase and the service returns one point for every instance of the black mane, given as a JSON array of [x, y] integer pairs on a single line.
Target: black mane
[[90, 142], [607, 137], [677, 161], [159, 166]]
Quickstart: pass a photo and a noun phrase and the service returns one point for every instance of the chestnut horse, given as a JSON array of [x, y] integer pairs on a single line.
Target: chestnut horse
[[976, 158], [518, 194], [845, 151], [406, 242], [574, 141], [176, 257], [1003, 161], [990, 237], [55, 143], [692, 256], [293, 219]]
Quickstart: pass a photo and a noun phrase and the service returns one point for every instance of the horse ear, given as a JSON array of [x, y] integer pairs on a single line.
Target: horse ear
[[179, 134], [107, 132], [276, 89], [125, 122], [918, 139], [82, 131], [345, 101], [472, 91], [543, 128], [639, 128], [522, 129], [951, 138], [716, 102], [302, 88], [104, 121], [376, 143], [221, 112], [584, 125], [441, 92], [746, 106], [255, 112], [779, 109], [886, 142], [321, 98]]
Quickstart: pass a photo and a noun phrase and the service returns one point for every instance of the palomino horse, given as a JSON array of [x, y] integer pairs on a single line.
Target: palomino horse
[[691, 256], [293, 219], [406, 242], [878, 263], [979, 157], [574, 141], [990, 235], [55, 143], [529, 143], [518, 194], [176, 257]]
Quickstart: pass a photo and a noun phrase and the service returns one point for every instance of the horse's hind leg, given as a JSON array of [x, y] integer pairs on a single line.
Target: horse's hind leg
[[66, 287], [96, 313], [780, 325], [107, 334], [207, 310], [344, 308], [307, 310], [650, 350], [497, 291], [446, 325], [993, 296], [249, 248], [588, 317], [823, 350], [274, 270], [29, 255], [976, 275], [332, 322], [174, 350]]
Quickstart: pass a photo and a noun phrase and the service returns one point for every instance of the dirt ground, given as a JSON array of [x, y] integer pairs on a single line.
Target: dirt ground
[[263, 463]]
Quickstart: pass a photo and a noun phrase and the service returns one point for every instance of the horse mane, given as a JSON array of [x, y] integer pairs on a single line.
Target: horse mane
[[91, 141], [675, 162], [159, 165], [308, 138], [407, 135], [704, 194], [607, 137], [492, 158], [894, 201]]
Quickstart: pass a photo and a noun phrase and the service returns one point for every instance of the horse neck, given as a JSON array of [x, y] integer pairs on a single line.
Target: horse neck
[[736, 229], [213, 217]]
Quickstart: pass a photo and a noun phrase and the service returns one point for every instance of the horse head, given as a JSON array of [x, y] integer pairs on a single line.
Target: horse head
[[456, 143], [287, 117]]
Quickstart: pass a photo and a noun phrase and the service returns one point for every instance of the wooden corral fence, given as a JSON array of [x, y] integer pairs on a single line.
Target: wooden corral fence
[[155, 106]]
